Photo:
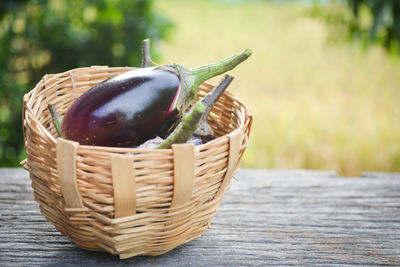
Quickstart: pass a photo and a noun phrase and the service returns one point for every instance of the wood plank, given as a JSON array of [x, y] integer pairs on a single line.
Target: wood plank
[[266, 218]]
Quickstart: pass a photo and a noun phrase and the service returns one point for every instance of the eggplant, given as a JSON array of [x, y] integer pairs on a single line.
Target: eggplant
[[124, 110], [130, 108]]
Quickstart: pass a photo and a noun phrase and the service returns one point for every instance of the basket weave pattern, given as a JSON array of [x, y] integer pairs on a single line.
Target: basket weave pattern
[[128, 201]]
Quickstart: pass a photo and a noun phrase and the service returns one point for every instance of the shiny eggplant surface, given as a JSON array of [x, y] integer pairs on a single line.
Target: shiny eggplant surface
[[125, 110]]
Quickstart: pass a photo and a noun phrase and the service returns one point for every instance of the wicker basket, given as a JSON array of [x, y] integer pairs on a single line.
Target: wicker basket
[[128, 201]]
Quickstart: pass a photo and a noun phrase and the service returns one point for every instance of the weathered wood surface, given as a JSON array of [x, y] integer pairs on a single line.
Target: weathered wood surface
[[267, 218]]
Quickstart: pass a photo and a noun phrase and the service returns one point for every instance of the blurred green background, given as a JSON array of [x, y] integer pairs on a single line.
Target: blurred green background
[[323, 82]]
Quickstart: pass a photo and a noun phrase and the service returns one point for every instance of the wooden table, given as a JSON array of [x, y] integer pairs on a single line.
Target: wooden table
[[267, 218]]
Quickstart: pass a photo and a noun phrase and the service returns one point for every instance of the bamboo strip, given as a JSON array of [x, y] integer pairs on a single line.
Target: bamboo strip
[[123, 175], [66, 165], [73, 85], [183, 173], [235, 140]]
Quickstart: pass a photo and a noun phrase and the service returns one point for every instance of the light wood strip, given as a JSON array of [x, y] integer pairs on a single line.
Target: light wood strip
[[235, 141], [183, 173], [73, 85], [124, 185], [66, 164]]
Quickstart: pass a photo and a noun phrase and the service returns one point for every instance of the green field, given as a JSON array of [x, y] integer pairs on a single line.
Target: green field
[[316, 105]]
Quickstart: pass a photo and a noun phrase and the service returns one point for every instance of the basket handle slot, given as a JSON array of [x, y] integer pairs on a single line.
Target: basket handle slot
[[235, 142], [183, 155], [66, 165], [124, 185]]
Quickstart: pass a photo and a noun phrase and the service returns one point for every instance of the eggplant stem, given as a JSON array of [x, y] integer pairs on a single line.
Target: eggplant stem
[[186, 127], [192, 78], [208, 101], [211, 98], [146, 57], [56, 118], [203, 73]]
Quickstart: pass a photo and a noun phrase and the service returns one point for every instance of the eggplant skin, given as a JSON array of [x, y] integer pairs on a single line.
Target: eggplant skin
[[125, 110]]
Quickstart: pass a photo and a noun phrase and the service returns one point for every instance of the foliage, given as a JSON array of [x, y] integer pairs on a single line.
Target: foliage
[[50, 36], [366, 21], [385, 26]]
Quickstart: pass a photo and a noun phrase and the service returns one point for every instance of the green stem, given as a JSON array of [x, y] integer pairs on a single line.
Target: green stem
[[146, 58], [56, 118], [186, 127], [203, 73], [211, 98], [192, 78], [208, 101]]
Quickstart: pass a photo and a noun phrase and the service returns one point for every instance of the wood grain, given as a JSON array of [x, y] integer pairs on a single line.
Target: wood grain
[[267, 218]]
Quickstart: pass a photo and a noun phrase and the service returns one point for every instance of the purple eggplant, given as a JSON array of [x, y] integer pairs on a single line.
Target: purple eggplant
[[130, 108], [124, 110]]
